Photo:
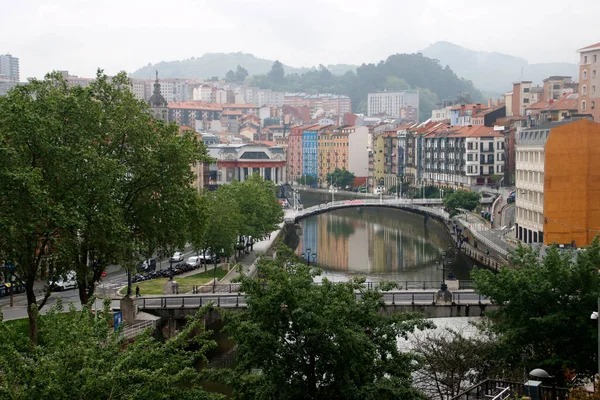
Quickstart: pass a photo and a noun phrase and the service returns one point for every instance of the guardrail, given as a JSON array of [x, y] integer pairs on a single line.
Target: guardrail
[[131, 331], [475, 229], [239, 300]]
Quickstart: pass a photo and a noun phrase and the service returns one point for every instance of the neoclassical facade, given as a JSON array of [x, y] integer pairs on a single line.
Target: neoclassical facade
[[240, 161]]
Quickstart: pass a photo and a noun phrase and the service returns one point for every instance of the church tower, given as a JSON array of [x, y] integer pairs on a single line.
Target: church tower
[[158, 104]]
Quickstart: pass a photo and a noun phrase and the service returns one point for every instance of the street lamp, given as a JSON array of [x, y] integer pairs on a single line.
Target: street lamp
[[542, 375], [308, 255], [171, 268], [595, 317]]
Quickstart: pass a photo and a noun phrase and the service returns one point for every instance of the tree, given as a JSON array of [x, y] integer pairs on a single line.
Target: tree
[[451, 361], [88, 178], [80, 356], [222, 218], [300, 340], [258, 204], [340, 178], [271, 121], [276, 74], [461, 199], [230, 76], [307, 180], [545, 304], [240, 74]]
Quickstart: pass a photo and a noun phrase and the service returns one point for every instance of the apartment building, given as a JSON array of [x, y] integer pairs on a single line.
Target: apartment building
[[441, 114], [557, 175], [332, 152], [462, 157], [9, 68], [358, 153], [556, 87], [391, 103], [589, 81], [310, 144]]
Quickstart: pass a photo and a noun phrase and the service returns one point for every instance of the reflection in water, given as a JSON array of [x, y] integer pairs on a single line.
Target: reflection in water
[[380, 243]]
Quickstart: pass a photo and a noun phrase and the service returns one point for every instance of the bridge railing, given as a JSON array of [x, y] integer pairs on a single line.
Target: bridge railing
[[238, 300]]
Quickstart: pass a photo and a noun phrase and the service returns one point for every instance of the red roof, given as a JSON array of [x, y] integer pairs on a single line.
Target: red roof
[[197, 105], [590, 47]]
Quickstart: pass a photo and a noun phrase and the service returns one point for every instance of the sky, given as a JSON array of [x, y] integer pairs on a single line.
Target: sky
[[83, 35]]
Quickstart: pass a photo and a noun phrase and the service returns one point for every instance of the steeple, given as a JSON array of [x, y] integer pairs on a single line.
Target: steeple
[[157, 100]]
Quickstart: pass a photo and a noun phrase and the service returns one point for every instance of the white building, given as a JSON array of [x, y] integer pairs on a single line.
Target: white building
[[240, 161], [390, 103], [203, 93], [358, 152], [9, 68], [441, 114]]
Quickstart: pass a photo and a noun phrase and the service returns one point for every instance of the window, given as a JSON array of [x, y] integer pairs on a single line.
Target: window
[[526, 90], [584, 90], [593, 73], [555, 87], [585, 59], [593, 105], [593, 89], [525, 100], [584, 74], [583, 105], [595, 58]]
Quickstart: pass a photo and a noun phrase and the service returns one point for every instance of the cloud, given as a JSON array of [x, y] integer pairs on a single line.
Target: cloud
[[81, 35]]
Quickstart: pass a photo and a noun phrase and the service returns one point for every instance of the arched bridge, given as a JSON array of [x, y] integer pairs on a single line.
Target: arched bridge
[[421, 206]]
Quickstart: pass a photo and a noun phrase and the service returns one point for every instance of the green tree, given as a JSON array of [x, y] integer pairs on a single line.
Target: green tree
[[277, 74], [271, 121], [230, 76], [462, 199], [88, 178], [258, 204], [300, 340], [307, 180], [224, 221], [80, 357], [545, 304], [240, 74], [340, 178]]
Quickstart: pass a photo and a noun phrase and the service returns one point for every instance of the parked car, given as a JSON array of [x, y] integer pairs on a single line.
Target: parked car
[[148, 265], [206, 259], [68, 281], [193, 261], [177, 257]]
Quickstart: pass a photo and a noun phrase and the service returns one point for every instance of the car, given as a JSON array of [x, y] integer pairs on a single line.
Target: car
[[148, 265], [193, 261], [177, 257], [206, 259], [68, 281]]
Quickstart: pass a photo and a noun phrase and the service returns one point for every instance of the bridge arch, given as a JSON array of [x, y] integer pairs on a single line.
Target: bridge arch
[[419, 206]]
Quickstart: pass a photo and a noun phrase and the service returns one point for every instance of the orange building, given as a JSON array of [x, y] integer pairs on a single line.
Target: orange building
[[558, 183]]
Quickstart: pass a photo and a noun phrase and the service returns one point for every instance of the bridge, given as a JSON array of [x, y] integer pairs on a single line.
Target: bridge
[[421, 206], [463, 303]]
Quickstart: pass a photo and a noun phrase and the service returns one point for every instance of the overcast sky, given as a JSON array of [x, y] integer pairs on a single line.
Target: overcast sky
[[81, 35]]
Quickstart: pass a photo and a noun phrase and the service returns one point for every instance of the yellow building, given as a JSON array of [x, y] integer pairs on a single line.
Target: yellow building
[[332, 152]]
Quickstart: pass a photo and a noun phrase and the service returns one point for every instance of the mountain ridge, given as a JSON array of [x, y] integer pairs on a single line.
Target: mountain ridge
[[493, 71]]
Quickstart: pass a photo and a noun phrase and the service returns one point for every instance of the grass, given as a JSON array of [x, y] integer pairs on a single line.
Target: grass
[[156, 286], [20, 325]]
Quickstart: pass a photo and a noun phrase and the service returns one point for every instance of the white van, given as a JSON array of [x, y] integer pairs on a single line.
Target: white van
[[68, 281], [194, 261]]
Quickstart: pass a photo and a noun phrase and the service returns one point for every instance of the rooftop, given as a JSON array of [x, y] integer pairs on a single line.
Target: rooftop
[[591, 47]]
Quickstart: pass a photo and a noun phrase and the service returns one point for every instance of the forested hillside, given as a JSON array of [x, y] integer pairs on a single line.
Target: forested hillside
[[399, 71]]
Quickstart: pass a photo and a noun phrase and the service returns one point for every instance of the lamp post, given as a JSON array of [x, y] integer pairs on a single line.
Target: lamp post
[[542, 375], [308, 255], [171, 268], [595, 317]]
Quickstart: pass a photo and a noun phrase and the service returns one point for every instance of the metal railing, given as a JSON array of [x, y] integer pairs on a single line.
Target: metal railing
[[239, 300], [132, 331], [491, 389]]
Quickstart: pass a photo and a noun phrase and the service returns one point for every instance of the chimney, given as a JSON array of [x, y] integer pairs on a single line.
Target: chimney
[[489, 102]]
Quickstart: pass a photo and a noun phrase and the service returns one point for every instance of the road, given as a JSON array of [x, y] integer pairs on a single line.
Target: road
[[115, 277]]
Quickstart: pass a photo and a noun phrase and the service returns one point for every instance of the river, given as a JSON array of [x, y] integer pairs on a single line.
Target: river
[[378, 243]]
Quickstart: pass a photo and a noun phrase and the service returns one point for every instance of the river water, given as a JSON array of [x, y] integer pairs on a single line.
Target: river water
[[378, 243]]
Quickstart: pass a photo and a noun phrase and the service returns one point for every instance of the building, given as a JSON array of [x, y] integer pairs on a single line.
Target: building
[[589, 81], [390, 103], [294, 153], [9, 68], [557, 175], [358, 153], [462, 114], [552, 110], [187, 113], [462, 157], [332, 152], [521, 98], [310, 145], [441, 114], [240, 161], [158, 105], [556, 87], [333, 104]]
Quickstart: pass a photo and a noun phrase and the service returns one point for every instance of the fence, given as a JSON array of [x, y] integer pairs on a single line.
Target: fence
[[499, 390], [132, 331]]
